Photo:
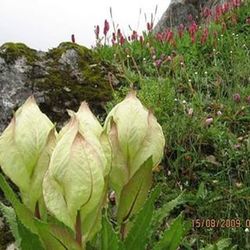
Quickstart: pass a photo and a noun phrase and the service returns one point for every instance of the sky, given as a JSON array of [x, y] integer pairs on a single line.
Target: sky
[[43, 24]]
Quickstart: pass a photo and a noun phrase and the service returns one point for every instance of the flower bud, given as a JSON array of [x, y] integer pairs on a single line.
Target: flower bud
[[25, 149], [74, 182], [90, 127], [135, 135]]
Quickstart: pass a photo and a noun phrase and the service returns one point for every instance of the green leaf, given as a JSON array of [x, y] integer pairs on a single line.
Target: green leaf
[[135, 192], [164, 211], [109, 238], [202, 192], [29, 240], [220, 245], [173, 236], [25, 216], [53, 237], [10, 215], [137, 236]]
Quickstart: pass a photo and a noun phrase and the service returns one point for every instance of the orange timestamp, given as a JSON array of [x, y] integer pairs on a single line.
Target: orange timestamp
[[220, 223]]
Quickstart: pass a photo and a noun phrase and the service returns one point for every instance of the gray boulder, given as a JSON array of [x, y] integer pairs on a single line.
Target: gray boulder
[[59, 79], [179, 12]]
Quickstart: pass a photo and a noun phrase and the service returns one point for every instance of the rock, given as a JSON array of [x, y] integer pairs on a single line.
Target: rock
[[12, 247], [59, 79], [179, 12]]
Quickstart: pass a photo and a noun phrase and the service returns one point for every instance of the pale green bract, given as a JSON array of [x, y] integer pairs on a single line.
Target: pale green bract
[[25, 149], [90, 127], [135, 135], [74, 180]]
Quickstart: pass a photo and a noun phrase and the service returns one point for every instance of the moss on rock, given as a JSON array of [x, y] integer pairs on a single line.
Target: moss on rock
[[10, 52], [66, 82], [60, 79]]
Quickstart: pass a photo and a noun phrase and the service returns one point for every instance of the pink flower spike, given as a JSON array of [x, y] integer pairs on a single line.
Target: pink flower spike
[[122, 40], [106, 27], [181, 30], [97, 31]]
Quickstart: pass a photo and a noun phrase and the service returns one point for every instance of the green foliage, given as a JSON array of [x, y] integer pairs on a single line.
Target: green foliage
[[206, 129], [220, 245], [209, 161], [135, 192], [29, 240], [31, 232], [10, 216], [109, 238], [173, 236], [138, 235]]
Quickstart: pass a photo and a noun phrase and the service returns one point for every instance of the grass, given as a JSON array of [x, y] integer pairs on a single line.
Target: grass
[[199, 92]]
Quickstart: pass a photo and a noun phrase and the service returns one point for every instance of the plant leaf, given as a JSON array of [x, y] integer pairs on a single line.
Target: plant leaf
[[10, 215], [24, 214], [109, 238], [51, 236], [164, 211], [29, 240], [173, 235], [137, 236], [135, 192], [219, 245]]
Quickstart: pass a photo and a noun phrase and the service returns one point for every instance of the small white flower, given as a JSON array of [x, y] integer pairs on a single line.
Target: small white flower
[[246, 230], [189, 80], [196, 73], [209, 121], [128, 56], [221, 35], [233, 34], [214, 50], [205, 72], [231, 52], [190, 112], [219, 112], [144, 59], [184, 102], [237, 35], [175, 99]]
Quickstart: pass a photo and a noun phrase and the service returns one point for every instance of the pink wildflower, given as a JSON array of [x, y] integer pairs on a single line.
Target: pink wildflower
[[106, 27], [97, 31], [204, 36], [149, 26], [181, 30]]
